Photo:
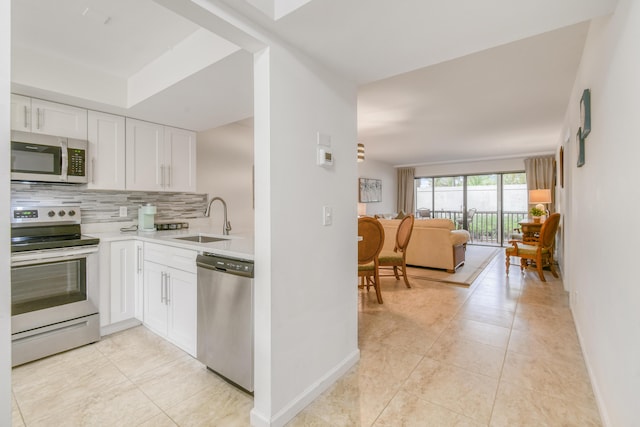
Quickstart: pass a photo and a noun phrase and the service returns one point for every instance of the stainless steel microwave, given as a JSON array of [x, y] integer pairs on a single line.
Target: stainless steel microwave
[[48, 158]]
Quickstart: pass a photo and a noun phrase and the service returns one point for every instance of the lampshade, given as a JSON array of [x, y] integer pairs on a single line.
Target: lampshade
[[539, 196], [360, 152]]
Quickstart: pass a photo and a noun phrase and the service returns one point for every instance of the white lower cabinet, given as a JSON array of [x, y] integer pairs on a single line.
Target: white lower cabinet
[[170, 294], [120, 285], [123, 281]]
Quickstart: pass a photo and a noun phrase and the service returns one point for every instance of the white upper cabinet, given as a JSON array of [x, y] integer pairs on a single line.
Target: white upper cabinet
[[124, 153], [145, 155], [58, 119], [180, 159], [106, 165], [50, 118], [160, 158], [20, 113]]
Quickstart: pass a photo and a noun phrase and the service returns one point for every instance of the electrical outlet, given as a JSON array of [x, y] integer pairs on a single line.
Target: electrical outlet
[[123, 211]]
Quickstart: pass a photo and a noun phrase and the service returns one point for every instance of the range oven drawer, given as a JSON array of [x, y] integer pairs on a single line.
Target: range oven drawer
[[41, 342]]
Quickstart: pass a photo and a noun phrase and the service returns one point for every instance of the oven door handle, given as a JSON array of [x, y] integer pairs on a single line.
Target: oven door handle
[[51, 255]]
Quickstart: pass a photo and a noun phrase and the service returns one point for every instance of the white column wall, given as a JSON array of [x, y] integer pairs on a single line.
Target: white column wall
[[602, 200], [5, 197], [225, 169], [306, 298]]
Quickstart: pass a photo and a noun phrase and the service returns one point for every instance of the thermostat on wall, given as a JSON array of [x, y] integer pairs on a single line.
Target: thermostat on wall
[[325, 156]]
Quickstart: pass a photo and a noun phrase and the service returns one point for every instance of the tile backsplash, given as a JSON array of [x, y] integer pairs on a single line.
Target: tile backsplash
[[98, 206]]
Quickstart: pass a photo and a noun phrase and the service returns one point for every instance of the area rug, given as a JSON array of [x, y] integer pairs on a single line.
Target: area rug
[[476, 259]]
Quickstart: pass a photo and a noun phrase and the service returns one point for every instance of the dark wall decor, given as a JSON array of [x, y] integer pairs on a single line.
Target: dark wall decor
[[580, 141], [585, 113]]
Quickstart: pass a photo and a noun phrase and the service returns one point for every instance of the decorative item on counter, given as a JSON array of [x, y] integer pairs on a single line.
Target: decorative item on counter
[[146, 218], [171, 225]]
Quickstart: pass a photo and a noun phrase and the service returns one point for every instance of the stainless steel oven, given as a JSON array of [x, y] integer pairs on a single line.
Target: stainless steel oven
[[47, 158], [54, 283]]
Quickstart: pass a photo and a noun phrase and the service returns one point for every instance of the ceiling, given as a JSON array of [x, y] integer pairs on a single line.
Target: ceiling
[[438, 81]]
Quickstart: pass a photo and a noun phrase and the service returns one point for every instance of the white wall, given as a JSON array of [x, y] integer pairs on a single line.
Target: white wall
[[602, 201], [306, 294], [387, 173], [5, 196], [225, 169]]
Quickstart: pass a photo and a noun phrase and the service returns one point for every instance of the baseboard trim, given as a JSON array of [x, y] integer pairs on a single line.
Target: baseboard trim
[[297, 404], [120, 326], [604, 415]]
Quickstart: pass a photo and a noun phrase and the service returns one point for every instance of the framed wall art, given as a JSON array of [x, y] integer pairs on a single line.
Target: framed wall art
[[370, 190], [585, 113], [561, 166]]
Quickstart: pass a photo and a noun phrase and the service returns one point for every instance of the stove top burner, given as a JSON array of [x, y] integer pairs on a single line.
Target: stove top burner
[[47, 227], [40, 243]]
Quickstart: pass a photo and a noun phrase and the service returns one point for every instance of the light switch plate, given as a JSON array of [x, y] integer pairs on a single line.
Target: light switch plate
[[123, 211], [325, 157], [327, 215]]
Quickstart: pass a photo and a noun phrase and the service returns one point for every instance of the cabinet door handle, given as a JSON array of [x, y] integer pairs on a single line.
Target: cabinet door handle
[[26, 112], [168, 176], [162, 287], [38, 118], [167, 300], [93, 170], [162, 176], [139, 248]]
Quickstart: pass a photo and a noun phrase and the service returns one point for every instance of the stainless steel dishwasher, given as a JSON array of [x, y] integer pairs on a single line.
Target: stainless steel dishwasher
[[225, 317]]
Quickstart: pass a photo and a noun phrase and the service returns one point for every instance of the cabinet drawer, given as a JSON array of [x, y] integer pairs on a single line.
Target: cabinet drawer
[[181, 259]]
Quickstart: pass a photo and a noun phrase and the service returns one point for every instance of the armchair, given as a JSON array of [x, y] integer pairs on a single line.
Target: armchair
[[541, 251]]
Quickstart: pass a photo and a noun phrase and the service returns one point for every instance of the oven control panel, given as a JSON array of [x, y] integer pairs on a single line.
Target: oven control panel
[[45, 214]]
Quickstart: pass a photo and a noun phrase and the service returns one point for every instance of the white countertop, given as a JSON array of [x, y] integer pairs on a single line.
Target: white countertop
[[237, 246]]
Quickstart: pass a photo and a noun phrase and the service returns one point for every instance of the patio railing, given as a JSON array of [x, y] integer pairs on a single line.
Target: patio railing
[[484, 226]]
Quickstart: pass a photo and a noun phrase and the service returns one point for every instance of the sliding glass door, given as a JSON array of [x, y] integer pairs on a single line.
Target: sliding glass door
[[483, 204], [448, 200], [514, 202], [489, 206]]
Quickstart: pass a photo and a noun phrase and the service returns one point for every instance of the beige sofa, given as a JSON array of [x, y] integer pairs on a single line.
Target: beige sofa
[[434, 243]]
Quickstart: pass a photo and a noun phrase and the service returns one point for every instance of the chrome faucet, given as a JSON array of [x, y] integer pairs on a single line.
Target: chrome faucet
[[226, 226]]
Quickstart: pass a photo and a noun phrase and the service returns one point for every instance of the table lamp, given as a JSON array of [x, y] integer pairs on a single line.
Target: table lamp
[[541, 198]]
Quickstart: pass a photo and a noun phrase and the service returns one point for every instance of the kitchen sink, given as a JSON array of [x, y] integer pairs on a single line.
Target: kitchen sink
[[201, 239]]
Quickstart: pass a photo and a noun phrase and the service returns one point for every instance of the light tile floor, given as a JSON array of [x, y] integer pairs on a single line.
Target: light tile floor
[[503, 352]]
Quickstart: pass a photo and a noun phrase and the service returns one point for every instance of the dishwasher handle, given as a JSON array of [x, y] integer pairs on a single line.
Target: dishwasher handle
[[236, 267]]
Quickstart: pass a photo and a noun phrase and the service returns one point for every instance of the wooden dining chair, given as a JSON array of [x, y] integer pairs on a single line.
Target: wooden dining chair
[[397, 258], [541, 252], [369, 247]]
